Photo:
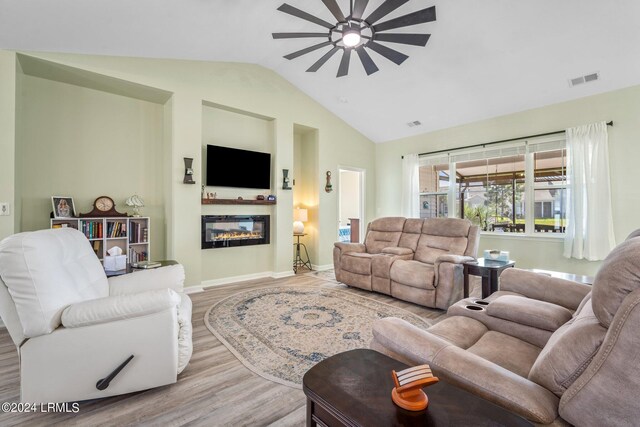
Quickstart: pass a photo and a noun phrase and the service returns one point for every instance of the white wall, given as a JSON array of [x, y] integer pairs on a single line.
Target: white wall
[[622, 106]]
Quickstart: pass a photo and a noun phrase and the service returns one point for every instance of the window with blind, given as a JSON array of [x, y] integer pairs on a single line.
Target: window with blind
[[492, 186]]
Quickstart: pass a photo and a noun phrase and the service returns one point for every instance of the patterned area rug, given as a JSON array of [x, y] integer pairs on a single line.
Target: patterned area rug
[[281, 332]]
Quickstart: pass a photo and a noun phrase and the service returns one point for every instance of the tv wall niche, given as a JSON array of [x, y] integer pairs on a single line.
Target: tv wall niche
[[233, 167]]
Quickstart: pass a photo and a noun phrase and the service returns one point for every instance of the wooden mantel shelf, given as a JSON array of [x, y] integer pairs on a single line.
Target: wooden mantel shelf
[[237, 202]]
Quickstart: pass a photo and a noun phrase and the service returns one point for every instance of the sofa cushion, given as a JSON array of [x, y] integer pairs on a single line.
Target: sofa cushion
[[618, 276], [569, 351], [413, 273], [383, 233], [411, 233], [431, 247], [356, 262], [46, 271], [461, 331], [449, 227], [518, 359], [531, 312]]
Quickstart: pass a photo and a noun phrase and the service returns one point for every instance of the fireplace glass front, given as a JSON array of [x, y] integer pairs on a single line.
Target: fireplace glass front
[[224, 231]]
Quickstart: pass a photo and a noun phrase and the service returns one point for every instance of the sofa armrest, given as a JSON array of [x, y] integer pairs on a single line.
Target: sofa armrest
[[543, 287], [530, 312], [410, 342], [455, 259], [496, 384], [397, 250], [169, 277], [350, 247], [114, 308]]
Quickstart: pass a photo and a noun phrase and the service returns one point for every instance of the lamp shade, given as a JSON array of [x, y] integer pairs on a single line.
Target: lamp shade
[[300, 215]]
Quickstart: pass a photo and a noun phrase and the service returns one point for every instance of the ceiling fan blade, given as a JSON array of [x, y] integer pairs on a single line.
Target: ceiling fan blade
[[297, 35], [358, 8], [307, 50], [335, 10], [412, 39], [418, 17], [304, 15], [368, 64], [390, 54], [385, 8], [320, 62], [343, 69]]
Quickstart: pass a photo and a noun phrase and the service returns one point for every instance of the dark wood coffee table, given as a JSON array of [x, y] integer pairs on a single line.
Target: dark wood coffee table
[[354, 389]]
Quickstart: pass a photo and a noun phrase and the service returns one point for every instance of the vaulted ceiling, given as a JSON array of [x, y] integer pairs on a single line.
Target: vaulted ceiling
[[484, 58]]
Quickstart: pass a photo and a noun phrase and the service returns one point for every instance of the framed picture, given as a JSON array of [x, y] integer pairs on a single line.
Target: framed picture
[[63, 207]]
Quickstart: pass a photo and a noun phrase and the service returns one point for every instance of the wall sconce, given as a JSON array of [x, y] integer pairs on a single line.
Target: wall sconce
[[188, 171], [328, 188], [285, 179]]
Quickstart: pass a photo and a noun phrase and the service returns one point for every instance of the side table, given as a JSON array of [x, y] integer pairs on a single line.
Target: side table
[[489, 270], [130, 269], [298, 261], [354, 389]]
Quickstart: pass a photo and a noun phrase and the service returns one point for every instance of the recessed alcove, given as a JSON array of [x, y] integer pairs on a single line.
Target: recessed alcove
[[82, 134]]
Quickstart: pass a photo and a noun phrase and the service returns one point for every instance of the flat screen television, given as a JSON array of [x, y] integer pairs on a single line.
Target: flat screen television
[[231, 167]]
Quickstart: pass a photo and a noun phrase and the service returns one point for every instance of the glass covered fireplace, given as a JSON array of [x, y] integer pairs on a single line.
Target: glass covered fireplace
[[225, 231]]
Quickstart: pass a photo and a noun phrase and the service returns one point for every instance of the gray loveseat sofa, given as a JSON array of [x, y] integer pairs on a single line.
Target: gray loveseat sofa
[[416, 260], [548, 349]]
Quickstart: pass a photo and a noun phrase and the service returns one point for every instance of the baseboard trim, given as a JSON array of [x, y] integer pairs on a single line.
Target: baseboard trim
[[193, 289], [322, 267], [244, 278], [282, 274]]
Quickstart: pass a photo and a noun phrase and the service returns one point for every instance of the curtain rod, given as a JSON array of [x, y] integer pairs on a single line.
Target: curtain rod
[[484, 144]]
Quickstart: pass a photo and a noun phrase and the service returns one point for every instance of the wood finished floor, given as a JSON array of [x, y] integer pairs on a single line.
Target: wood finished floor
[[214, 390]]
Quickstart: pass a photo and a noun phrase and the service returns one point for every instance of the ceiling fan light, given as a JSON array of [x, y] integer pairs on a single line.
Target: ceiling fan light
[[351, 37]]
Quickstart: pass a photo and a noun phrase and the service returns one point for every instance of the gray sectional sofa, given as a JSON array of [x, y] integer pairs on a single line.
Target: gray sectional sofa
[[416, 260]]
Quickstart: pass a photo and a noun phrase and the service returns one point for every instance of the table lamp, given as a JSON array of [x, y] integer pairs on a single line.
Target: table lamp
[[299, 216]]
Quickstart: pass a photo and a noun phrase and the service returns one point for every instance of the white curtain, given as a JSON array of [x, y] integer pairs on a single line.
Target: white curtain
[[410, 186], [589, 231]]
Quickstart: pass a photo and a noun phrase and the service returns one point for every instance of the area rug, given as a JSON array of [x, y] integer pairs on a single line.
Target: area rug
[[281, 332]]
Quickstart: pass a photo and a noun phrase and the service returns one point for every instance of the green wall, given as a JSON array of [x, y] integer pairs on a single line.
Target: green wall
[[7, 139], [622, 106], [246, 88], [233, 129], [85, 144]]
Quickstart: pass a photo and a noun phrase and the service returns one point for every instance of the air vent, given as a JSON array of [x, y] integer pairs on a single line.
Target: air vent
[[584, 79], [414, 123]]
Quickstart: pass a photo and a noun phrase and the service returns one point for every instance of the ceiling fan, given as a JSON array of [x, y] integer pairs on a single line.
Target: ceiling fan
[[353, 32]]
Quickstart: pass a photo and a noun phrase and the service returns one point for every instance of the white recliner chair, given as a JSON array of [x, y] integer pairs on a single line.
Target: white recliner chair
[[82, 336]]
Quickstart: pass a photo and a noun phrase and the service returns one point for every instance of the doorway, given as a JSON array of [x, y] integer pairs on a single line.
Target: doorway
[[350, 204]]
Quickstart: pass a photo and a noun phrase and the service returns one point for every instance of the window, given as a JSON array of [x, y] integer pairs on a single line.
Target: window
[[491, 192], [434, 188], [550, 191], [492, 186]]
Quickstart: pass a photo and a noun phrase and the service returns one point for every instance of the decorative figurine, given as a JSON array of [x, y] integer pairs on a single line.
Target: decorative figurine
[[408, 393], [328, 188]]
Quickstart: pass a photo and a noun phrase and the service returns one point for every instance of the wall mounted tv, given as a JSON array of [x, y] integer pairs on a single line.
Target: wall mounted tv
[[231, 167]]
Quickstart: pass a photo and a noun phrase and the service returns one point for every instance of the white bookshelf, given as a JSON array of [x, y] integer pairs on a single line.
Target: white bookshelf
[[131, 234]]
